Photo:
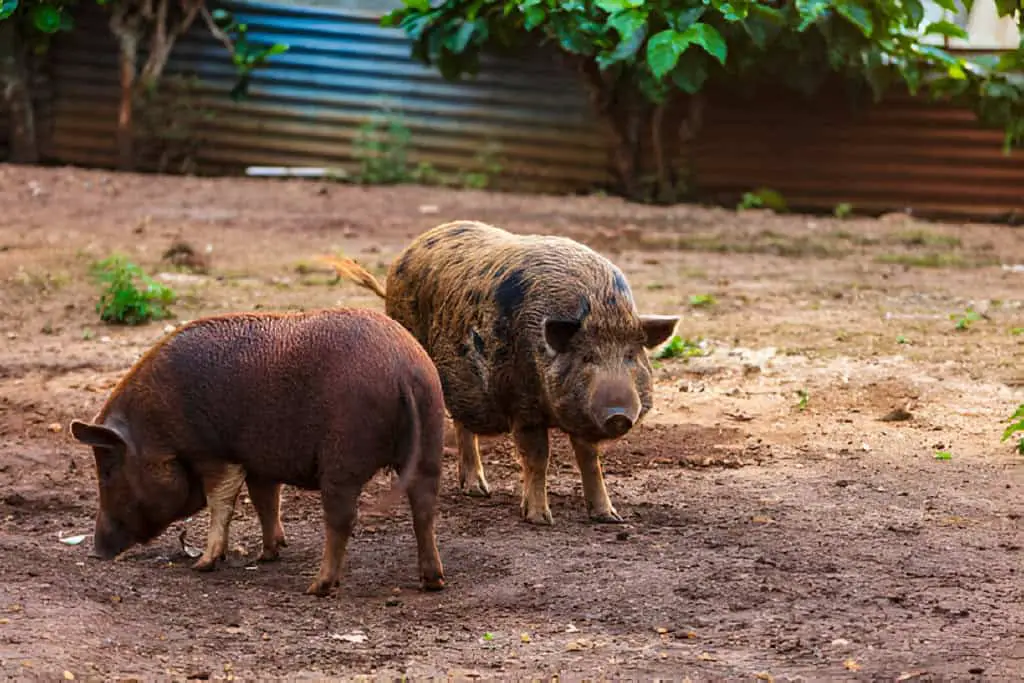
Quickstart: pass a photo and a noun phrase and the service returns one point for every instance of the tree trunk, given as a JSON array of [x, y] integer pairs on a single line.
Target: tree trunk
[[125, 124], [126, 23], [615, 101], [14, 72]]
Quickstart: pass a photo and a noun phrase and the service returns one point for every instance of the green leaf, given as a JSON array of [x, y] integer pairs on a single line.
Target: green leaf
[[732, 12], [628, 23], [945, 28], [46, 18], [810, 11], [457, 41], [534, 17], [708, 37], [277, 49], [682, 19], [691, 72], [663, 51], [612, 6], [7, 8], [626, 49], [856, 14], [915, 11]]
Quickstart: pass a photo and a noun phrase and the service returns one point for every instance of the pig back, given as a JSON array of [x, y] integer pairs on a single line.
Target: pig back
[[281, 394]]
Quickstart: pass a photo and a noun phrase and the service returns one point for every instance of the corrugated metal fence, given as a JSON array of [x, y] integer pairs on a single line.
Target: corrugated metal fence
[[306, 107], [904, 153]]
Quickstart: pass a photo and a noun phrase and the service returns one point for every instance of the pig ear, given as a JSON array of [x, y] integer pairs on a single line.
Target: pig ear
[[558, 333], [96, 435], [658, 328]]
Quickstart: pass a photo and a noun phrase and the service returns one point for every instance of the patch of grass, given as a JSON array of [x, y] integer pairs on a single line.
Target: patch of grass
[[926, 238], [854, 238], [702, 300], [678, 347], [963, 321], [928, 260], [1015, 331], [803, 400], [762, 198], [943, 455], [767, 242], [843, 210], [1016, 426], [130, 297]]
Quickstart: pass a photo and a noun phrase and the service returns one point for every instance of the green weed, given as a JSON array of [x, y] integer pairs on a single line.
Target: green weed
[[1016, 425], [130, 297], [678, 347]]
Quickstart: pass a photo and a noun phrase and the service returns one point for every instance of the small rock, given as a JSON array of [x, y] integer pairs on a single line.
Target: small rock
[[55, 427]]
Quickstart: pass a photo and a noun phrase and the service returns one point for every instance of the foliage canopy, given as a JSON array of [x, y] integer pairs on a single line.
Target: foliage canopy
[[663, 49]]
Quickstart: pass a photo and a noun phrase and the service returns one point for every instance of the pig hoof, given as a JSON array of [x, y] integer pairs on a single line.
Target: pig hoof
[[269, 555], [321, 588], [477, 489], [204, 564], [435, 583], [539, 517], [611, 517]]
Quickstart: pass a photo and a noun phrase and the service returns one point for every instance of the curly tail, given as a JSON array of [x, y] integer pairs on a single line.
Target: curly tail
[[350, 270]]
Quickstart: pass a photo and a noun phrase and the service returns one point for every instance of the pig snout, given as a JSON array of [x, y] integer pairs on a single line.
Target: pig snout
[[615, 406], [109, 540]]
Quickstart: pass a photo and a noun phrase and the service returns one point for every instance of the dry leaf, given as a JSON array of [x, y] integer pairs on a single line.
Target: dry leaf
[[761, 519], [525, 637], [115, 598], [577, 645], [764, 676], [910, 674], [661, 630], [68, 676], [851, 665], [4, 621]]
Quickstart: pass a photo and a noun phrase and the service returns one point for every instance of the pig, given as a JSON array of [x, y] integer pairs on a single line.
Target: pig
[[529, 333], [319, 400]]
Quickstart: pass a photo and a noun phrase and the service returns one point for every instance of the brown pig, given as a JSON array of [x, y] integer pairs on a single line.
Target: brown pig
[[528, 332], [319, 400]]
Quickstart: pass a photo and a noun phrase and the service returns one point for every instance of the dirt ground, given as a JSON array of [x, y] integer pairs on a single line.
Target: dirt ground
[[787, 515]]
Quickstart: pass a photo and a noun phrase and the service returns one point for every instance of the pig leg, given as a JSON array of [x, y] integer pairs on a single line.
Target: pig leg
[[266, 498], [341, 508], [222, 484], [594, 493], [422, 496], [471, 469], [532, 445]]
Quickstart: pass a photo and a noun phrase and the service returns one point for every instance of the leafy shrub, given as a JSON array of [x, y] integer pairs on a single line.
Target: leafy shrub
[[130, 297]]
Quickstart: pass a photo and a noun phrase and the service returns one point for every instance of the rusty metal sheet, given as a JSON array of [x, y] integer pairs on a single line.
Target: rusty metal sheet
[[902, 153], [307, 106]]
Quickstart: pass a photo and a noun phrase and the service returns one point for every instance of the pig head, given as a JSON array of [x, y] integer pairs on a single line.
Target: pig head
[[140, 493], [597, 378]]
